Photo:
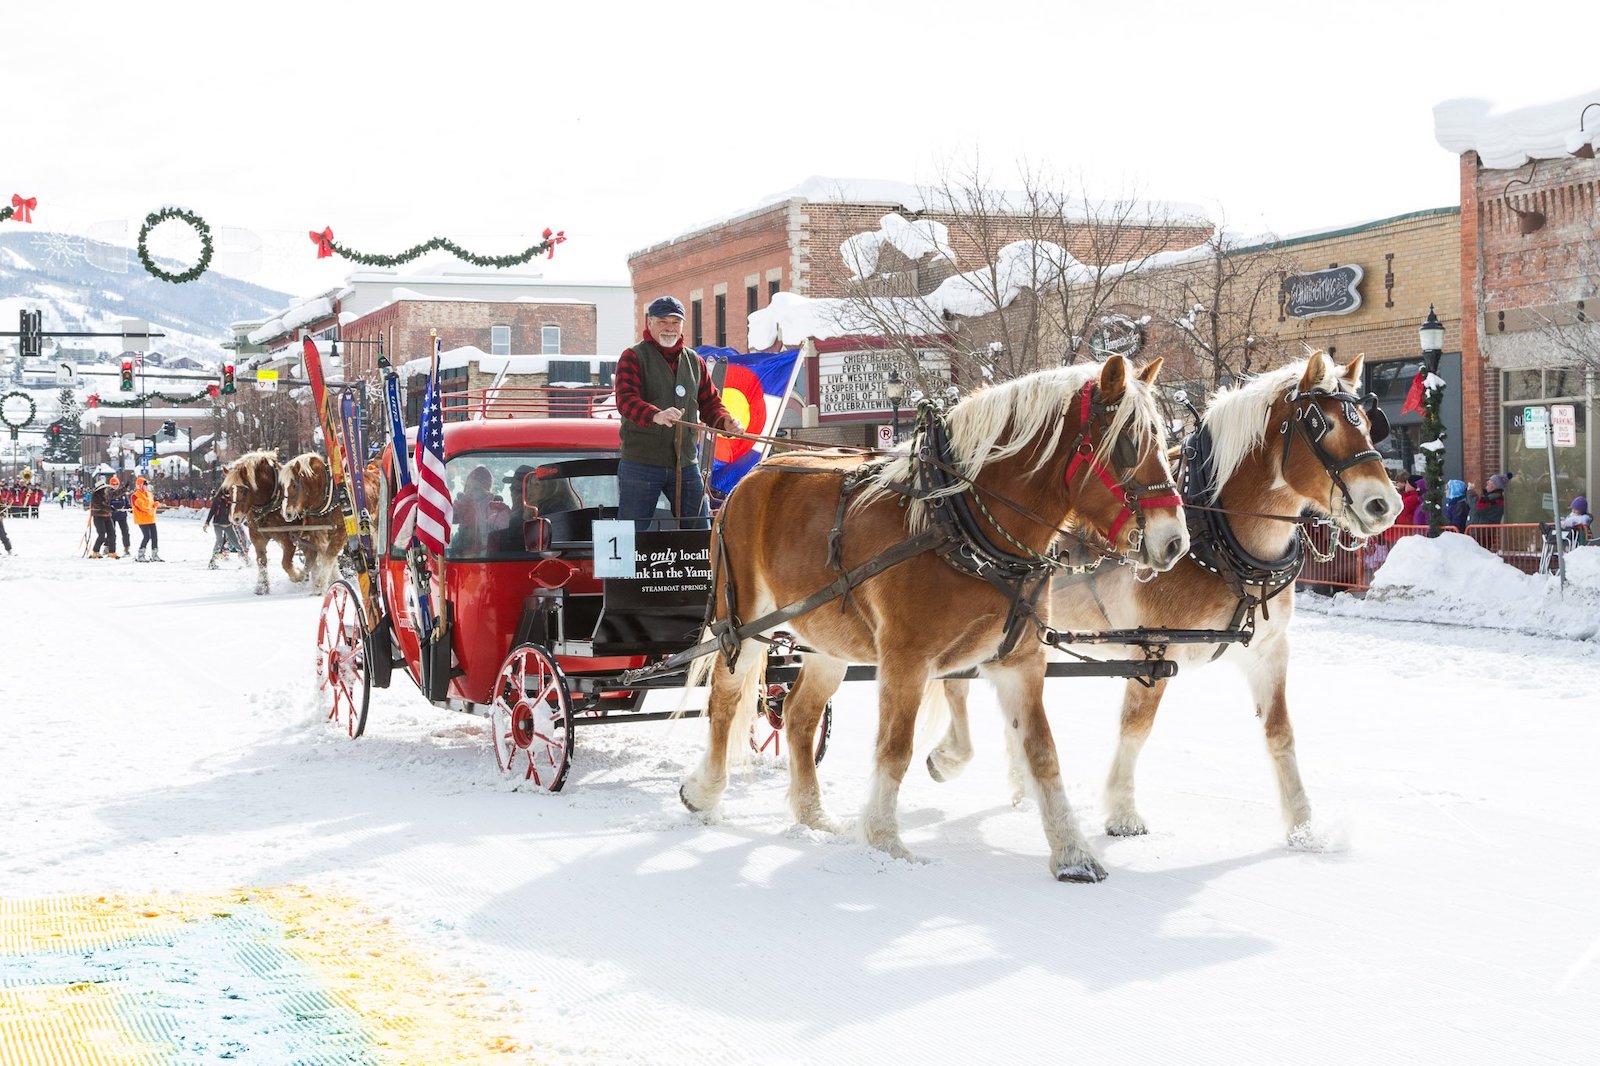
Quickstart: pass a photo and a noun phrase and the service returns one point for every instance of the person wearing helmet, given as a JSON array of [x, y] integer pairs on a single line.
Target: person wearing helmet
[[664, 395], [144, 516]]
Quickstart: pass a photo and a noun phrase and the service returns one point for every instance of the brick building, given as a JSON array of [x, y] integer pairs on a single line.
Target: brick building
[[1529, 263]]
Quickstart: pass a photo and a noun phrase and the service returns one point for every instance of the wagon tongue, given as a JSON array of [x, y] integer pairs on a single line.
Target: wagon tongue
[[552, 573]]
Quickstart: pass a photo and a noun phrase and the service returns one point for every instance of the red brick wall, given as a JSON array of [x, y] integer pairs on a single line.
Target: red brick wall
[[405, 325], [1479, 409]]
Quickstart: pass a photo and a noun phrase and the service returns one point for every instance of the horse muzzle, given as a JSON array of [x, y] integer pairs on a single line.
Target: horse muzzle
[[1165, 541], [1374, 506]]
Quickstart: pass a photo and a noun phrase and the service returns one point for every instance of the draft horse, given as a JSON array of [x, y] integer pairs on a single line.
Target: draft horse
[[956, 529], [257, 501], [309, 500], [1294, 439]]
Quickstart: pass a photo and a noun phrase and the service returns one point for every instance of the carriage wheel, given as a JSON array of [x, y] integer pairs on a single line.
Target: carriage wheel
[[344, 683], [530, 720], [766, 732]]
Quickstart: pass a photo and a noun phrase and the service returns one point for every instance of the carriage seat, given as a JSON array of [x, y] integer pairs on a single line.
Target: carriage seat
[[575, 529]]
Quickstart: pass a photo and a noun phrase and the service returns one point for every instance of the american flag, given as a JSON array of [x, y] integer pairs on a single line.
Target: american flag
[[434, 510]]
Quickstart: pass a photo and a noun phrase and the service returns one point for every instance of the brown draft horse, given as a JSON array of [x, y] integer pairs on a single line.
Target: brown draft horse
[[309, 500], [1030, 454], [252, 487], [1288, 440]]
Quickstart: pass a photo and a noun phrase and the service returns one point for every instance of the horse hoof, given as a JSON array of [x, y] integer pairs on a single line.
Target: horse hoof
[[1133, 830], [1086, 872], [934, 772]]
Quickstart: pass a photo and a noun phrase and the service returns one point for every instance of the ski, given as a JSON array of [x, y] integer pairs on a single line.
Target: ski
[[331, 440]]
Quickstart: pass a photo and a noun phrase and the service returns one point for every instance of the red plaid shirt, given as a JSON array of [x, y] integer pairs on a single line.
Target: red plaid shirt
[[629, 379]]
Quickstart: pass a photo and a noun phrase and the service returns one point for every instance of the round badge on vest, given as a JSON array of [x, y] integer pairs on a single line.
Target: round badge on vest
[[681, 391]]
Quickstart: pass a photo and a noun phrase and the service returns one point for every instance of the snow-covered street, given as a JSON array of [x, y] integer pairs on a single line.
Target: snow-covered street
[[194, 868]]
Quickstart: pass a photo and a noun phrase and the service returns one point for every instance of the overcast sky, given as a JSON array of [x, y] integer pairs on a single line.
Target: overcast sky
[[626, 124]]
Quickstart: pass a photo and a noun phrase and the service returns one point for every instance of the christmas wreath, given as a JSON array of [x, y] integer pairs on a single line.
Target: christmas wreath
[[154, 219], [33, 409]]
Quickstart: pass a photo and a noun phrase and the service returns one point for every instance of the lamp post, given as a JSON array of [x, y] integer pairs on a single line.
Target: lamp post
[[1431, 335], [896, 391]]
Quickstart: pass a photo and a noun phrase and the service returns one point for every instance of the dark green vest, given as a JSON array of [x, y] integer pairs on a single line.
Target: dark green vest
[[671, 446]]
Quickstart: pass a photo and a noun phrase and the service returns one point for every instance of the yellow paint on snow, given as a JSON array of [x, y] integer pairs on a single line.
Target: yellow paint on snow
[[411, 1011]]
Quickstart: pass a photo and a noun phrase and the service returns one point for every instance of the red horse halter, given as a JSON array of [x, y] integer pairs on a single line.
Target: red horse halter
[[1133, 497]]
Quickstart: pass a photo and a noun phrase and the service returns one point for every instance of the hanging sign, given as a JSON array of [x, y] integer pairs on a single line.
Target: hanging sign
[[1334, 291], [266, 380]]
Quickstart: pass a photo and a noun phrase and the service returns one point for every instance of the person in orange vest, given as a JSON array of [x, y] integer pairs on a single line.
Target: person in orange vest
[[144, 516]]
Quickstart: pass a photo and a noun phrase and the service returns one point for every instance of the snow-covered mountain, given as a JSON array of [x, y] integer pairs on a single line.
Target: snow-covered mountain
[[84, 285]]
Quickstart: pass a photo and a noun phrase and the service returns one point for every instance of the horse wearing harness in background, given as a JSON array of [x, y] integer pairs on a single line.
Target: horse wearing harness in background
[[257, 502], [937, 557], [310, 501], [1288, 440]]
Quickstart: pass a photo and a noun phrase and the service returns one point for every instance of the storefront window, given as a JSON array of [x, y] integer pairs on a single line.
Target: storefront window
[[1565, 382], [1528, 497], [1524, 385]]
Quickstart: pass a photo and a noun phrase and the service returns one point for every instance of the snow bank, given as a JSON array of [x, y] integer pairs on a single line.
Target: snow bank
[[1453, 580]]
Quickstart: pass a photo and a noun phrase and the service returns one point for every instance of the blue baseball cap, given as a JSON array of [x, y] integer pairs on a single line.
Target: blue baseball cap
[[665, 307]]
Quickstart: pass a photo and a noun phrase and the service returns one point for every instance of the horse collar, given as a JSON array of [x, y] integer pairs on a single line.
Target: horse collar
[[1213, 545]]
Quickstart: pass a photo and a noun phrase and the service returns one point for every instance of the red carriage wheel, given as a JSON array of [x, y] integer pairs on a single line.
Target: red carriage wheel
[[530, 720], [766, 732], [344, 684]]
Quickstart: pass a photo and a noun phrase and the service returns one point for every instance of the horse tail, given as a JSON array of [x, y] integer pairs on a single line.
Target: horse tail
[[934, 717]]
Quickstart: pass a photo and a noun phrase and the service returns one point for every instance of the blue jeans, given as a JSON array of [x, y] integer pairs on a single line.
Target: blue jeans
[[640, 487]]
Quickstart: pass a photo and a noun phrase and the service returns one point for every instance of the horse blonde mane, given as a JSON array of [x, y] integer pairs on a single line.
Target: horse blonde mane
[[1033, 407], [1237, 415], [298, 467], [243, 470]]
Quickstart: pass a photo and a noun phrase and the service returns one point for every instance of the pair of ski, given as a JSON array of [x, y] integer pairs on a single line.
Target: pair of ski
[[341, 435]]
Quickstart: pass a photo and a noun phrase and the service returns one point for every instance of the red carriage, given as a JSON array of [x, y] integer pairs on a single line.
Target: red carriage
[[527, 634]]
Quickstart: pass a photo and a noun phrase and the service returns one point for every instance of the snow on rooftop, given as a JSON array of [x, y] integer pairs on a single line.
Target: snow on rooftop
[[1507, 138], [914, 240]]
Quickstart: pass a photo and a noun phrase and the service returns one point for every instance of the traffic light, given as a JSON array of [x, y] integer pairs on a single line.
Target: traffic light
[[55, 432], [32, 338], [227, 379], [127, 375], [169, 429]]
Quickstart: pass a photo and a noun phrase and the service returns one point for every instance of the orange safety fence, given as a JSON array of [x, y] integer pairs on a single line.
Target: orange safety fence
[[1517, 543]]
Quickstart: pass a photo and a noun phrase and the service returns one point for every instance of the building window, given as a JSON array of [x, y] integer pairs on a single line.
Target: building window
[[569, 372], [550, 340], [722, 320], [499, 340], [752, 296], [453, 394], [608, 371], [1529, 497], [772, 289], [696, 330]]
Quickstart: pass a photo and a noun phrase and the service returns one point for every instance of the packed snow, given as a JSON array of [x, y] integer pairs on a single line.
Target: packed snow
[[164, 763]]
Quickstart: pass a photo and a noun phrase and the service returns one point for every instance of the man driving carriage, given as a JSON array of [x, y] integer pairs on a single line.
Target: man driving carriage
[[660, 438]]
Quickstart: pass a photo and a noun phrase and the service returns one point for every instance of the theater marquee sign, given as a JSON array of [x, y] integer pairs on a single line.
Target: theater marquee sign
[[1335, 291]]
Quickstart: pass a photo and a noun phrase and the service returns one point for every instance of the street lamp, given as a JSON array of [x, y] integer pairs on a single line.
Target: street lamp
[[1431, 336], [896, 391]]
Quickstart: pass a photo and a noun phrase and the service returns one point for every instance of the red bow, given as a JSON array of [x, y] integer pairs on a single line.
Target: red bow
[[323, 241], [94, 399], [553, 238], [24, 208]]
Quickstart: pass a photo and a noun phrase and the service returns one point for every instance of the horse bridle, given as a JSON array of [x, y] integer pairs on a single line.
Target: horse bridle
[[1133, 497], [1306, 417]]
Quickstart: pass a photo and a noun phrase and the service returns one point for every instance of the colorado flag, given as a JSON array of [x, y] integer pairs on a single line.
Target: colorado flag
[[755, 388]]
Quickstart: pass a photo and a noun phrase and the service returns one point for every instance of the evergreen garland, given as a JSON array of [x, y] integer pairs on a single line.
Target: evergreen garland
[[154, 219], [1433, 457], [327, 246], [138, 401]]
